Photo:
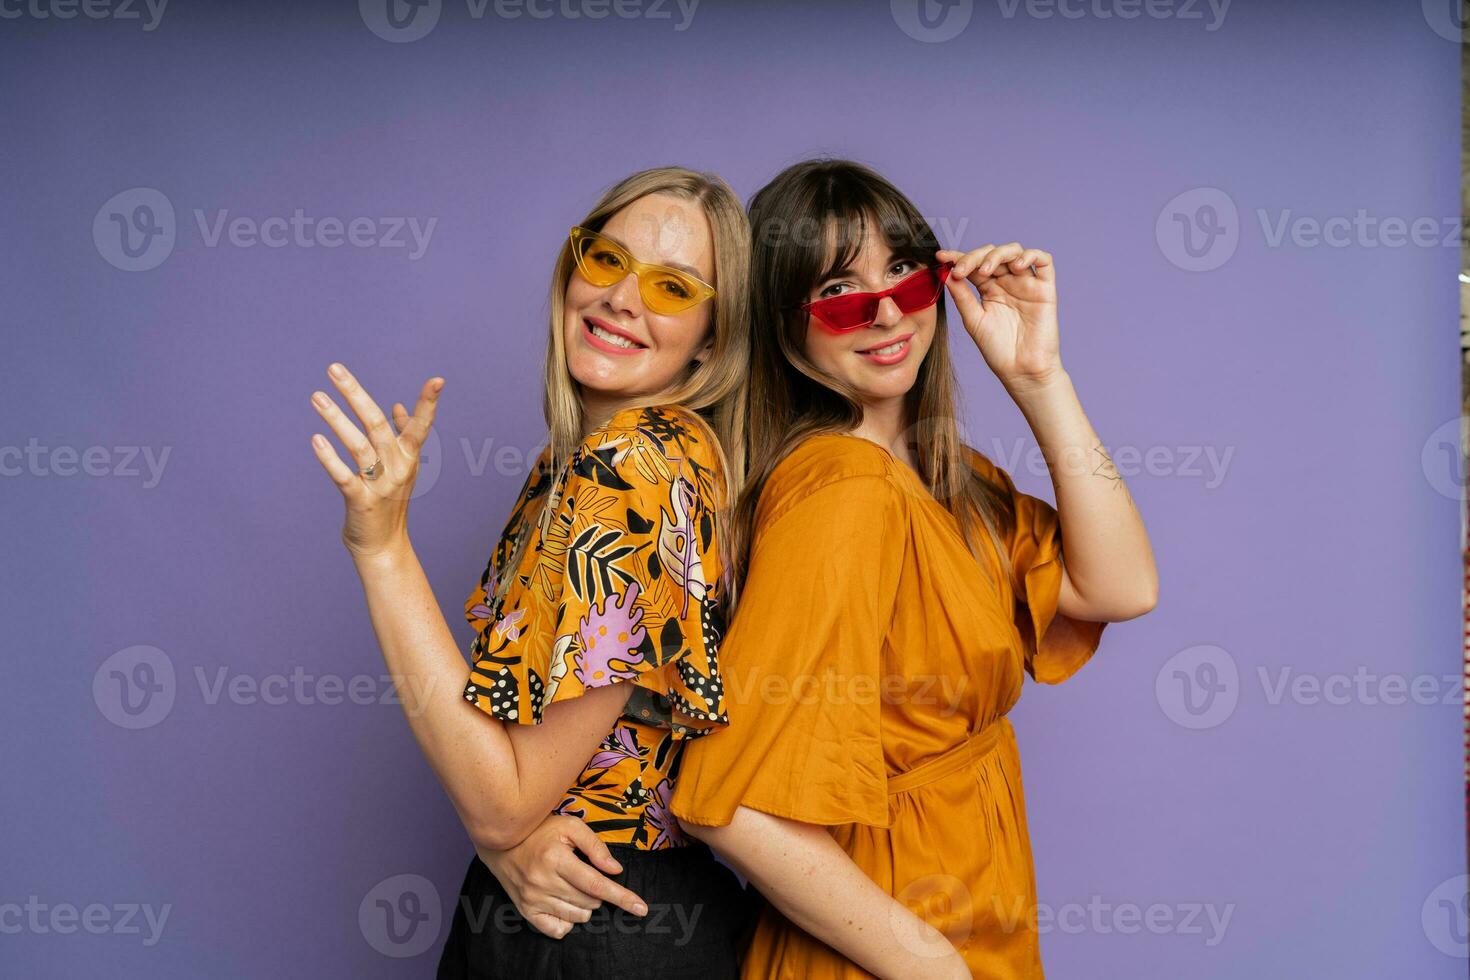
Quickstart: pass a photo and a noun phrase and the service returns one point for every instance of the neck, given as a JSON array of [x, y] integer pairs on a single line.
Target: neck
[[597, 408], [886, 423]]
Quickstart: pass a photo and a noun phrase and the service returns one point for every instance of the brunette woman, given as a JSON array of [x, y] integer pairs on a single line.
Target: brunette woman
[[896, 588]]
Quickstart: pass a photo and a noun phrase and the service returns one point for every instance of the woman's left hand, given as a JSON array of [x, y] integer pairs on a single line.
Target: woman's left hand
[[1016, 325]]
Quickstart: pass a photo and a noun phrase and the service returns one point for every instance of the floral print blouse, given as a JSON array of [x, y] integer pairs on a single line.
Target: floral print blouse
[[622, 586]]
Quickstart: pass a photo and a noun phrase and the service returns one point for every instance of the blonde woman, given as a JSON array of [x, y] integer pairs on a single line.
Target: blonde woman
[[599, 614]]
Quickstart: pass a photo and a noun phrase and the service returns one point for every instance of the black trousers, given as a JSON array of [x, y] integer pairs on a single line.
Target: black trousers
[[699, 919]]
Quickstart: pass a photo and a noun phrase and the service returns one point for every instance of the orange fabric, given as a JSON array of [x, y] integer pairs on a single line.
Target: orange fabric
[[623, 585], [868, 671]]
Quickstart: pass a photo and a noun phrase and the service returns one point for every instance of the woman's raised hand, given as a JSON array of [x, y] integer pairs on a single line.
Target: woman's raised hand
[[1014, 319], [377, 504]]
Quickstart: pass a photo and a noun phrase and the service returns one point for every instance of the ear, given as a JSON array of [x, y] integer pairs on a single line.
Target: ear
[[701, 355]]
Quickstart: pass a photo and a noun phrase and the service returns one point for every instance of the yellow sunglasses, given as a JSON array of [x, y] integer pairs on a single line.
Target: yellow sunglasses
[[604, 261]]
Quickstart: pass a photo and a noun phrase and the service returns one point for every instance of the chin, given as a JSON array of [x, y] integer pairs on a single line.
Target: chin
[[590, 374], [883, 393], [886, 387]]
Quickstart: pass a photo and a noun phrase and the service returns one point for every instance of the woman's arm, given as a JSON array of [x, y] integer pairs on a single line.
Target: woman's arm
[[1108, 571], [502, 779], [805, 874], [483, 763]]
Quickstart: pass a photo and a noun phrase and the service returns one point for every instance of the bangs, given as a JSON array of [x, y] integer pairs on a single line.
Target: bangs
[[852, 208]]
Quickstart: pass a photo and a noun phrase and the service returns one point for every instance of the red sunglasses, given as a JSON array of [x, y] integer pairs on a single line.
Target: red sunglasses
[[853, 311]]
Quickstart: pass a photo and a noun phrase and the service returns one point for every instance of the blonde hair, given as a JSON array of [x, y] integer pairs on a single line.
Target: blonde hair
[[712, 390]]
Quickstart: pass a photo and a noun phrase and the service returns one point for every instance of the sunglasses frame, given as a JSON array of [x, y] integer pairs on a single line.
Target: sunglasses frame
[[814, 307], [701, 289]]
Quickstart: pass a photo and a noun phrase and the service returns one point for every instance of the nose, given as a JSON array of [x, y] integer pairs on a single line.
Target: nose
[[888, 314], [623, 297]]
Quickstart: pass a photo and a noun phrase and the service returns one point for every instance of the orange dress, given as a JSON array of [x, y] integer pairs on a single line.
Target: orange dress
[[868, 672]]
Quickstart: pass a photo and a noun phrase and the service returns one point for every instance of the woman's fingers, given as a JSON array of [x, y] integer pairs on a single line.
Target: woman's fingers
[[342, 474], [375, 423], [357, 444], [417, 425], [587, 879], [565, 896], [549, 925], [965, 299], [999, 260], [584, 839], [965, 262], [567, 911], [1003, 253], [1041, 263], [592, 884]]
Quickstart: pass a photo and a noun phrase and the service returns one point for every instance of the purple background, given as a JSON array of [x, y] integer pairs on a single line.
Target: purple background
[[1329, 373]]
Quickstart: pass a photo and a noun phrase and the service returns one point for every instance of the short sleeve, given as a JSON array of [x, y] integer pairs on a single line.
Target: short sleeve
[[803, 665], [1055, 646], [622, 586]]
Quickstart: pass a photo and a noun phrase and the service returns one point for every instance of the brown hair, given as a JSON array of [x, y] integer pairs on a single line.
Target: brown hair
[[808, 221]]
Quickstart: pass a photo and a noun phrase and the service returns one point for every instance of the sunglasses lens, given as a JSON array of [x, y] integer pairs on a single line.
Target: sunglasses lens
[[851, 311], [602, 262], [665, 291], [919, 291]]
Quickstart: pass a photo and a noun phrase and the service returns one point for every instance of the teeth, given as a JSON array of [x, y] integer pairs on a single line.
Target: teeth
[[893, 348], [611, 337]]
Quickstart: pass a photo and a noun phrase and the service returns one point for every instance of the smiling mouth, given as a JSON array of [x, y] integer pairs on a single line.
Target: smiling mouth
[[892, 348], [617, 340]]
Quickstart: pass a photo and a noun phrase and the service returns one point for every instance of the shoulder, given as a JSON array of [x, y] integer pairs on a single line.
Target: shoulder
[[669, 426], [831, 465], [987, 470], [654, 445], [832, 456]]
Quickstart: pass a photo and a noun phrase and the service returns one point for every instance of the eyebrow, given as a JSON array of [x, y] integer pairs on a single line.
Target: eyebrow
[[672, 265], [847, 272]]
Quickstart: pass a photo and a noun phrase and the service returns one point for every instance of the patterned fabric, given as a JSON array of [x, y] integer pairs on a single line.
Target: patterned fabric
[[619, 584]]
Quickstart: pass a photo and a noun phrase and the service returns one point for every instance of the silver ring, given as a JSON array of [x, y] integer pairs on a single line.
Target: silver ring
[[374, 471]]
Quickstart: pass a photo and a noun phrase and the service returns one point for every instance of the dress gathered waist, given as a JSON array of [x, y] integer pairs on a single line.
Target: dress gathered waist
[[966, 753]]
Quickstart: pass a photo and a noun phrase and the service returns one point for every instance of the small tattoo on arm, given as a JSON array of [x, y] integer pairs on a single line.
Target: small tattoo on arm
[[1106, 469]]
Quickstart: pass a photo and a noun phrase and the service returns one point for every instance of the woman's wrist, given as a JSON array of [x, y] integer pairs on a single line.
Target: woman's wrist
[[387, 558], [1033, 390]]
